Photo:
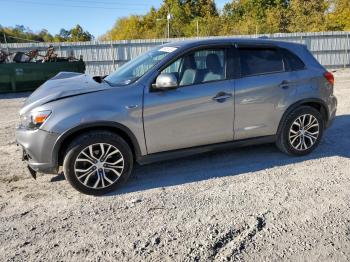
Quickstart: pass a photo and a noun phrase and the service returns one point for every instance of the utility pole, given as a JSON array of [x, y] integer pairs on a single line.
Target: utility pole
[[168, 17], [7, 47], [5, 38], [347, 50], [167, 29]]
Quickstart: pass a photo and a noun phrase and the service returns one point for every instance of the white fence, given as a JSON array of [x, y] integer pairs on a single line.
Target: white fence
[[330, 48]]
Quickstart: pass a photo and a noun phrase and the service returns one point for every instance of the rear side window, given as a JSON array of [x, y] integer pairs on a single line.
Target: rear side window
[[257, 61], [293, 62]]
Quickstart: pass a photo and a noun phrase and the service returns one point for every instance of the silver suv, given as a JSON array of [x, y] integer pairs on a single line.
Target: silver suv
[[177, 99]]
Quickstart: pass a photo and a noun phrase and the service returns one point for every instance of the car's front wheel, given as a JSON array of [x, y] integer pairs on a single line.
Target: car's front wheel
[[301, 131], [97, 162]]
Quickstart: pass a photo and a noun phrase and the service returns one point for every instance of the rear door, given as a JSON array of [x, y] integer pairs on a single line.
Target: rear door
[[200, 111], [262, 91]]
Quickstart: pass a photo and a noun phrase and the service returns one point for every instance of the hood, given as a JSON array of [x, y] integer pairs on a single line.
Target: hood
[[64, 84]]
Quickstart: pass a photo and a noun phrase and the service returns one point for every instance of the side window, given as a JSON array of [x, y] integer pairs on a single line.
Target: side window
[[174, 67], [256, 61], [199, 67], [294, 63]]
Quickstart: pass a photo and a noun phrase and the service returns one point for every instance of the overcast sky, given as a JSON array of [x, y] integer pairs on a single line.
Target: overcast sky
[[96, 16]]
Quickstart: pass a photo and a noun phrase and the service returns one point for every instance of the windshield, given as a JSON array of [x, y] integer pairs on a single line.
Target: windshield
[[134, 69]]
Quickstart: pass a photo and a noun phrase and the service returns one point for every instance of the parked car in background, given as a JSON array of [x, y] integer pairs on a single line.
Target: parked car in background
[[177, 99]]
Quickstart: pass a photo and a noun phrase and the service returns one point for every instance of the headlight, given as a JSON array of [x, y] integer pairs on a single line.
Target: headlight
[[33, 120]]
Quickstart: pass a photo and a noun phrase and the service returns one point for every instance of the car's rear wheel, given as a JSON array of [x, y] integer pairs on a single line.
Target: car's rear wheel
[[301, 131], [97, 162]]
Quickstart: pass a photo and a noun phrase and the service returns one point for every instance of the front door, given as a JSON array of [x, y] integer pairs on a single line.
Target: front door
[[199, 112]]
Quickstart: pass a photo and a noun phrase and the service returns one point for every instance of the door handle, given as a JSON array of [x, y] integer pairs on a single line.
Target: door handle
[[222, 96], [284, 84]]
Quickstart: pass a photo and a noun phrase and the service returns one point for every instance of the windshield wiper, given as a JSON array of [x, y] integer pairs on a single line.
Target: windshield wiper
[[109, 83], [132, 80], [100, 79], [124, 82]]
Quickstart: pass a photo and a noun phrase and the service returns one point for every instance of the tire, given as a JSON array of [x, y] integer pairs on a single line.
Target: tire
[[287, 140], [89, 161]]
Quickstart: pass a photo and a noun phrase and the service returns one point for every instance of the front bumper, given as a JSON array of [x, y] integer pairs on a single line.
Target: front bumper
[[38, 149]]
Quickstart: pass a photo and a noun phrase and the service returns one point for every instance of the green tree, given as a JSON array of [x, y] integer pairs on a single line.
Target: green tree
[[78, 34], [255, 16], [20, 33], [338, 15], [307, 15], [183, 23], [45, 36], [237, 17], [125, 28]]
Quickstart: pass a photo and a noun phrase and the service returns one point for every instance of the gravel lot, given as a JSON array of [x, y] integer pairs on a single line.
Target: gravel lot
[[248, 204]]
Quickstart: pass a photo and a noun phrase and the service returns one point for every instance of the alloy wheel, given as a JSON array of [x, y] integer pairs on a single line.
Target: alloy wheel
[[304, 132], [99, 165]]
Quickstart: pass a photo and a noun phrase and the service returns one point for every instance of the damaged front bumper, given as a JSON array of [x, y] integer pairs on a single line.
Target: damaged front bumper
[[26, 159], [37, 146]]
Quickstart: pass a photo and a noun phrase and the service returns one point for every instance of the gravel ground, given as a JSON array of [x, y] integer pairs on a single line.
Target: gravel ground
[[248, 204]]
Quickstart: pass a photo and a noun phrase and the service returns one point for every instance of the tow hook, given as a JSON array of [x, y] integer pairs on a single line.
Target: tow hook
[[32, 172]]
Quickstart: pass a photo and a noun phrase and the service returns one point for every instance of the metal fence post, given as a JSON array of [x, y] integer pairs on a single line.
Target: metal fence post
[[346, 60], [113, 55]]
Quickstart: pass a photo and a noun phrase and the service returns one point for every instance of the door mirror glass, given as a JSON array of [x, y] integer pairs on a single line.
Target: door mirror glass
[[166, 81]]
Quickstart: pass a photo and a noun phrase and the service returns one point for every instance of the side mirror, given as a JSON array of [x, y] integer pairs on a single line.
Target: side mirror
[[166, 81]]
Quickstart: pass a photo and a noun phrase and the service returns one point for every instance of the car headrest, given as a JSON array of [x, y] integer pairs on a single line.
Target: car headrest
[[213, 63], [189, 62]]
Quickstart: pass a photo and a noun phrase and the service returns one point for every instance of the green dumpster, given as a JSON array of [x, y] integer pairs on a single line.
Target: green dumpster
[[19, 77]]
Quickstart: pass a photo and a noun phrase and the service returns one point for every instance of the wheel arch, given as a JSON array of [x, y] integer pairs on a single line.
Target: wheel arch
[[66, 138], [316, 103]]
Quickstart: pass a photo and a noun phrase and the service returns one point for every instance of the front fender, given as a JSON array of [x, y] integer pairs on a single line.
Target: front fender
[[98, 125], [109, 109]]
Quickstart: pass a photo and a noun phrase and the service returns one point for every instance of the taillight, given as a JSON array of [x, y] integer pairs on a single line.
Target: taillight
[[330, 77]]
